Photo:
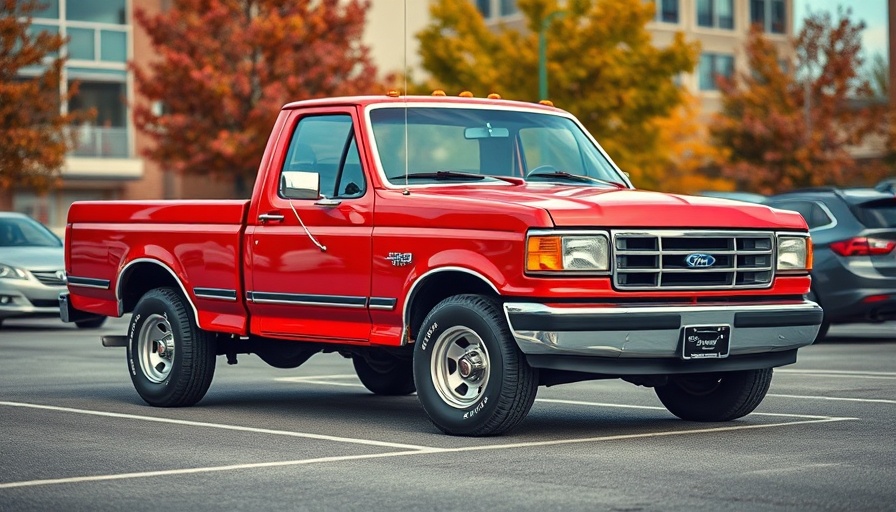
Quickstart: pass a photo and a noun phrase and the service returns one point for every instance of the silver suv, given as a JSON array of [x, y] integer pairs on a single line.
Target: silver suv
[[854, 235], [31, 270]]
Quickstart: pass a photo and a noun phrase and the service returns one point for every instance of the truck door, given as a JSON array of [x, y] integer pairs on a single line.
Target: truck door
[[309, 260]]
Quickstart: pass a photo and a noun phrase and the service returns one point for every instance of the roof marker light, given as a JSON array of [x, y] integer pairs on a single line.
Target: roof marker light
[[438, 92], [494, 96], [466, 94], [393, 93], [546, 102]]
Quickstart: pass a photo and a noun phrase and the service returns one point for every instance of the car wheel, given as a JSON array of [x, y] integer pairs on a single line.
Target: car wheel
[[471, 377], [715, 396], [384, 374], [170, 359], [93, 323]]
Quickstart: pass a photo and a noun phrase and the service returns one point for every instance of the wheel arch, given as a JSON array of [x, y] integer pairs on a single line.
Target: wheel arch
[[436, 285], [144, 274]]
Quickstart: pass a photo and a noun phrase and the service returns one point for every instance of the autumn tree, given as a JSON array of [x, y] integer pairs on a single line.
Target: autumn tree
[[688, 164], [225, 68], [790, 126], [34, 134], [601, 64]]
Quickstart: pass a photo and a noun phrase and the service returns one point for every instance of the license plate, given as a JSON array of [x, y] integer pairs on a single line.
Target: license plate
[[706, 341]]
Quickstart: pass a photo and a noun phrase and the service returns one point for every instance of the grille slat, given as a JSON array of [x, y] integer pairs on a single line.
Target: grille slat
[[48, 278], [658, 260]]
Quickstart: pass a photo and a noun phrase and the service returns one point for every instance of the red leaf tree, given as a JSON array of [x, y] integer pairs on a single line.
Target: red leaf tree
[[787, 127], [34, 135], [225, 68]]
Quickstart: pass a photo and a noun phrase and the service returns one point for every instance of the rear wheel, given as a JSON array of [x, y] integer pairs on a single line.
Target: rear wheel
[[171, 360], [471, 377], [384, 374], [715, 396]]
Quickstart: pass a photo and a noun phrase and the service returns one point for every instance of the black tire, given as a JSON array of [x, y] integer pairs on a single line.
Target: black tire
[[715, 396], [823, 330], [93, 323], [825, 321], [384, 374], [170, 359], [469, 334]]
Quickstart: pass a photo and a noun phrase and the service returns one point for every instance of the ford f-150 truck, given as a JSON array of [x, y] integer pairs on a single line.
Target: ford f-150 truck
[[468, 249]]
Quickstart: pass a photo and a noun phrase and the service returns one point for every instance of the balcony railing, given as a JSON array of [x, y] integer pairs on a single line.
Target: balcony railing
[[98, 142]]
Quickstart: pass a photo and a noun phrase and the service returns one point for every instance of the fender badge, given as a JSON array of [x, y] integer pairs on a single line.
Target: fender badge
[[400, 259]]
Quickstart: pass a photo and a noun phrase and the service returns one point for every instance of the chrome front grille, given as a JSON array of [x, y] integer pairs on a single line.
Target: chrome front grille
[[49, 278], [658, 260]]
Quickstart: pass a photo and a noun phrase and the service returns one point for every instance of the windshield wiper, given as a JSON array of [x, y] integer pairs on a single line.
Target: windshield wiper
[[441, 175], [563, 175]]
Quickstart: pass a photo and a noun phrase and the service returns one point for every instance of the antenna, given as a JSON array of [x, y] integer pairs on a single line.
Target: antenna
[[407, 147]]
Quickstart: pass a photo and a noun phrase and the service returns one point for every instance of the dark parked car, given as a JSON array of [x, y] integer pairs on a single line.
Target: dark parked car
[[31, 270], [854, 235]]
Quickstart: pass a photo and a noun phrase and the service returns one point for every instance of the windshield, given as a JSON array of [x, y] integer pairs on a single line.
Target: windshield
[[443, 144], [25, 232]]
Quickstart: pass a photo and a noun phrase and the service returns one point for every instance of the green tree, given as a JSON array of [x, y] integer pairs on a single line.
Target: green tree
[[226, 67], [34, 134], [602, 67], [786, 128]]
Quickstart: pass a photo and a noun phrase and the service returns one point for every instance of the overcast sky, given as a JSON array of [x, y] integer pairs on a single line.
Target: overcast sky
[[872, 12]]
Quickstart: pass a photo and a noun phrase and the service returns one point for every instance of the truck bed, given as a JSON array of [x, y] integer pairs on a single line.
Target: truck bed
[[199, 243]]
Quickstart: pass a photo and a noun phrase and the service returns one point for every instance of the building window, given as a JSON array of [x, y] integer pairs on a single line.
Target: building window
[[497, 8], [98, 33], [715, 13], [712, 66], [666, 11], [96, 11], [509, 7], [770, 14], [485, 8]]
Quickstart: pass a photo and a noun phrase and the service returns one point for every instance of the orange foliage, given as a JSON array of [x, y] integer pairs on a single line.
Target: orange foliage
[[776, 140], [226, 67], [34, 136]]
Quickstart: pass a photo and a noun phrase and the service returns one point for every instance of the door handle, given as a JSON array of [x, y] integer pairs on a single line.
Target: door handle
[[272, 217]]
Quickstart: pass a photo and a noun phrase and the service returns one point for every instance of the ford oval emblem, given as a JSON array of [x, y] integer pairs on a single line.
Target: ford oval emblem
[[698, 260]]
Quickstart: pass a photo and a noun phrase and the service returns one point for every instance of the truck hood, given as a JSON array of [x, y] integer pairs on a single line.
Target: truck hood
[[627, 208]]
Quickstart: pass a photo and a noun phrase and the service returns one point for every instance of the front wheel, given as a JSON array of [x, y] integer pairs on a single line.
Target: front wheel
[[171, 360], [471, 377], [715, 396]]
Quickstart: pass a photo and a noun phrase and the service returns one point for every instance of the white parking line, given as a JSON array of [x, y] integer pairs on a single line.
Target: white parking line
[[837, 398], [423, 451], [841, 374], [219, 425], [328, 380], [187, 471]]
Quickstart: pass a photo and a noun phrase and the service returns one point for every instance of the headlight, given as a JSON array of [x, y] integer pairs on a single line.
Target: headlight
[[8, 272], [569, 253], [794, 253]]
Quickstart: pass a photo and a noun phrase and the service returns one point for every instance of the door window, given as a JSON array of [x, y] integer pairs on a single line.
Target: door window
[[326, 145]]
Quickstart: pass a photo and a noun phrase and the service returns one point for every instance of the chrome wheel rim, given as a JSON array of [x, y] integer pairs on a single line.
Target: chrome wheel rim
[[460, 367], [155, 348]]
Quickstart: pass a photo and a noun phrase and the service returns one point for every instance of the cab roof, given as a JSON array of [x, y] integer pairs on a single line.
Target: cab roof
[[364, 101]]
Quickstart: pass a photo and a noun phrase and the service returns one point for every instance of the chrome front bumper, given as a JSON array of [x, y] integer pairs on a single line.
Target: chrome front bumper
[[654, 332]]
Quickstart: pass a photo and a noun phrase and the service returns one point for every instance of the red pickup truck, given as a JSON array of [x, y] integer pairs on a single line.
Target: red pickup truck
[[468, 249]]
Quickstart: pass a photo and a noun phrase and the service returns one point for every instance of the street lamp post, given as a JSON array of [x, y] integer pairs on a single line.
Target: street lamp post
[[542, 54]]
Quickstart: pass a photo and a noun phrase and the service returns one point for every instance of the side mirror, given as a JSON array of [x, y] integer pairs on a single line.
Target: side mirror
[[300, 185]]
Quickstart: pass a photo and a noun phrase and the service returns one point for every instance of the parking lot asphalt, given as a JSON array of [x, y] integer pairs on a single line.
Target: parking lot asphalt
[[74, 435]]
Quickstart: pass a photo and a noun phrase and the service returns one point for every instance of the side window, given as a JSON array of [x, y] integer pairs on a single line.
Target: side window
[[816, 216], [326, 145]]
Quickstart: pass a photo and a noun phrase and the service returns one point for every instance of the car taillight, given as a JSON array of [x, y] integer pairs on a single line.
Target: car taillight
[[861, 246]]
